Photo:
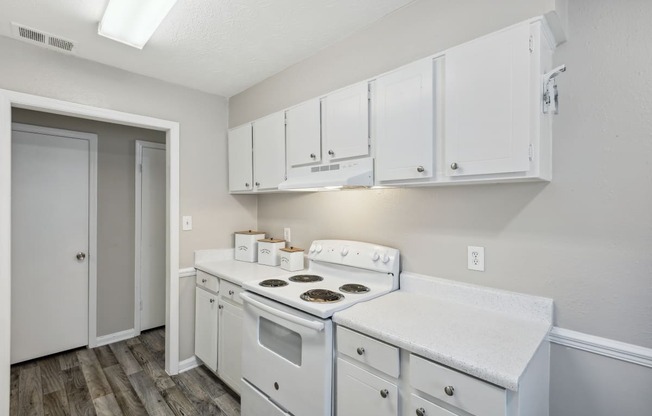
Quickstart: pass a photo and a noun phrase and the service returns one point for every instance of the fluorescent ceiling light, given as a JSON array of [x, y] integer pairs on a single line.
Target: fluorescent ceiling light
[[133, 22]]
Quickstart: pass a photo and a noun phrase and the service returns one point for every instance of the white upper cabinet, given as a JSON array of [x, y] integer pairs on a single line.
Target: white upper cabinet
[[240, 159], [303, 134], [404, 122], [345, 123], [269, 151], [488, 104]]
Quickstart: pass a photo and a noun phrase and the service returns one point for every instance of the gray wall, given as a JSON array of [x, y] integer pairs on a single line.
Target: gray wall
[[116, 210], [202, 118], [584, 239]]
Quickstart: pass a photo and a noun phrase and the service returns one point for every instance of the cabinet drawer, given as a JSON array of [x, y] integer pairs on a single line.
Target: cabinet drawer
[[361, 393], [207, 281], [374, 353], [231, 292], [470, 394], [422, 407]]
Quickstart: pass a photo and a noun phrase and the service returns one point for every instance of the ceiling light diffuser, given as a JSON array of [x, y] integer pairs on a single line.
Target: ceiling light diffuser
[[133, 22]]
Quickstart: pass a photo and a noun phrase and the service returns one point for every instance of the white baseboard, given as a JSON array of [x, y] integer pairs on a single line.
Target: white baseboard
[[115, 337], [602, 346], [189, 364], [187, 272]]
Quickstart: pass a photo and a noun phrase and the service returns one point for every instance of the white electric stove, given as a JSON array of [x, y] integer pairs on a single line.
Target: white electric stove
[[287, 365]]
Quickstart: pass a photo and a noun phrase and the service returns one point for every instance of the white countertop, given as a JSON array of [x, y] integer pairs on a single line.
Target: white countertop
[[487, 333], [238, 272]]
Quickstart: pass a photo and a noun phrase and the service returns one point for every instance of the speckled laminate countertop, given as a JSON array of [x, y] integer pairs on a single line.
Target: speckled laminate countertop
[[239, 272], [487, 333]]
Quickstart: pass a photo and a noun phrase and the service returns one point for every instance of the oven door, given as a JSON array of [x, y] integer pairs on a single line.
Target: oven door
[[288, 356]]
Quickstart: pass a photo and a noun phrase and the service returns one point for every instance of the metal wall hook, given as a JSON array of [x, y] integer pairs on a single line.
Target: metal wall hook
[[550, 93]]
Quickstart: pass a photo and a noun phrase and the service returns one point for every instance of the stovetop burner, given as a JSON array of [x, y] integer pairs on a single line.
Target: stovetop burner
[[306, 278], [354, 288], [273, 283], [322, 296]]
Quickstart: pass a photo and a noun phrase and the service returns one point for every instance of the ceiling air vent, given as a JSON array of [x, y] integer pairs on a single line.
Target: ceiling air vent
[[38, 37]]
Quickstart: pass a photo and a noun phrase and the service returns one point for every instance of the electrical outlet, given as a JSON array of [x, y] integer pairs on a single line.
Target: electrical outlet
[[286, 235], [186, 222], [476, 258]]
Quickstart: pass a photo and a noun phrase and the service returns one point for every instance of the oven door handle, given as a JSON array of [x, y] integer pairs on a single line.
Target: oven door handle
[[316, 325]]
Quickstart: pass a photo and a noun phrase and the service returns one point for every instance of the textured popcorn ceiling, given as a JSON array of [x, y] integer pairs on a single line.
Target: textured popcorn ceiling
[[218, 46]]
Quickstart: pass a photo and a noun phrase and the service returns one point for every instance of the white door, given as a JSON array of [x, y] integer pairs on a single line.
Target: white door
[[487, 104], [51, 190], [230, 346], [269, 151], [206, 327], [240, 159], [150, 229], [345, 123], [303, 134]]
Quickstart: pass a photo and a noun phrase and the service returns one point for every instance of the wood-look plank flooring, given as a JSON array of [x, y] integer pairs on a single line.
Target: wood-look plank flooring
[[126, 378]]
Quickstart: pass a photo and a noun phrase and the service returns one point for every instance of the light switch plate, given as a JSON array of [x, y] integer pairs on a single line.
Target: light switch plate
[[476, 258], [186, 223]]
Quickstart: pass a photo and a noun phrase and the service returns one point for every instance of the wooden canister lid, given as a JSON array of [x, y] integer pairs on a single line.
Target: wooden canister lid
[[292, 249], [271, 240], [250, 232]]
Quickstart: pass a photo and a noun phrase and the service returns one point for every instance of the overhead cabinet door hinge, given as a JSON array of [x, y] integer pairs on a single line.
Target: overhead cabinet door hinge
[[530, 152], [531, 44]]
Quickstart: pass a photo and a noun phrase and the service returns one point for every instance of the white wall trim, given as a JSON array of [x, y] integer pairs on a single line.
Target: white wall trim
[[115, 337], [9, 99], [602, 346], [189, 364], [187, 272]]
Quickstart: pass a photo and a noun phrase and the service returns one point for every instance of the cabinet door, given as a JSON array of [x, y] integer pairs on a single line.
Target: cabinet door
[[345, 123], [405, 123], [206, 327], [360, 393], [487, 104], [269, 151], [240, 159], [303, 133], [230, 347]]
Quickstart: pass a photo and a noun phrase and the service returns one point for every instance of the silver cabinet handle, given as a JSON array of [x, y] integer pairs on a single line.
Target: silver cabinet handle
[[420, 169], [384, 393], [454, 166], [231, 292], [360, 351], [449, 390], [81, 256], [421, 411], [313, 156], [330, 152]]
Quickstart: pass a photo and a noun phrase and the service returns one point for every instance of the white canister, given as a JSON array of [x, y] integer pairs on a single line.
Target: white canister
[[246, 245], [292, 259], [269, 251]]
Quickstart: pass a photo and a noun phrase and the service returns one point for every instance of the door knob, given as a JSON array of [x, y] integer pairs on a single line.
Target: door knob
[[81, 256]]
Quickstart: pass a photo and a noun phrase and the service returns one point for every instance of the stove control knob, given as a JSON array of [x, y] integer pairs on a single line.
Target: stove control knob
[[385, 258], [318, 248], [375, 256], [312, 248], [345, 251]]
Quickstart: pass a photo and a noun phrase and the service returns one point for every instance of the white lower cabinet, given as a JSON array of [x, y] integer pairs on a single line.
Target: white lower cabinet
[[422, 407], [206, 329], [230, 345], [361, 393]]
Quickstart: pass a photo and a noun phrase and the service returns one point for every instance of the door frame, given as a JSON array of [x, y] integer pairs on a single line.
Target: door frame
[[140, 144], [9, 99], [92, 214]]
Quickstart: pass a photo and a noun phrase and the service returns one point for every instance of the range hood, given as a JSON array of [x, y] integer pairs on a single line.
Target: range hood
[[356, 173]]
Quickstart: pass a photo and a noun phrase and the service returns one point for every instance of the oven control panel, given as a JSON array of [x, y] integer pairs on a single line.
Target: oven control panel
[[356, 254]]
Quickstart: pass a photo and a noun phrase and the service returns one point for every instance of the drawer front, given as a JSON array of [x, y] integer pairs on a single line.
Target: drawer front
[[468, 393], [360, 393], [231, 292], [207, 281], [422, 407], [383, 357]]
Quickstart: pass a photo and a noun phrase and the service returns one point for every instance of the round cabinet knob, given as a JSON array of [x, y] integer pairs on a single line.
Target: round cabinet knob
[[318, 248], [375, 256], [212, 301], [276, 385], [313, 156], [385, 258], [247, 185], [360, 351], [204, 280], [384, 393], [331, 153], [345, 251], [454, 166], [81, 256], [220, 306], [420, 169], [231, 292], [421, 411], [257, 183], [449, 390]]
